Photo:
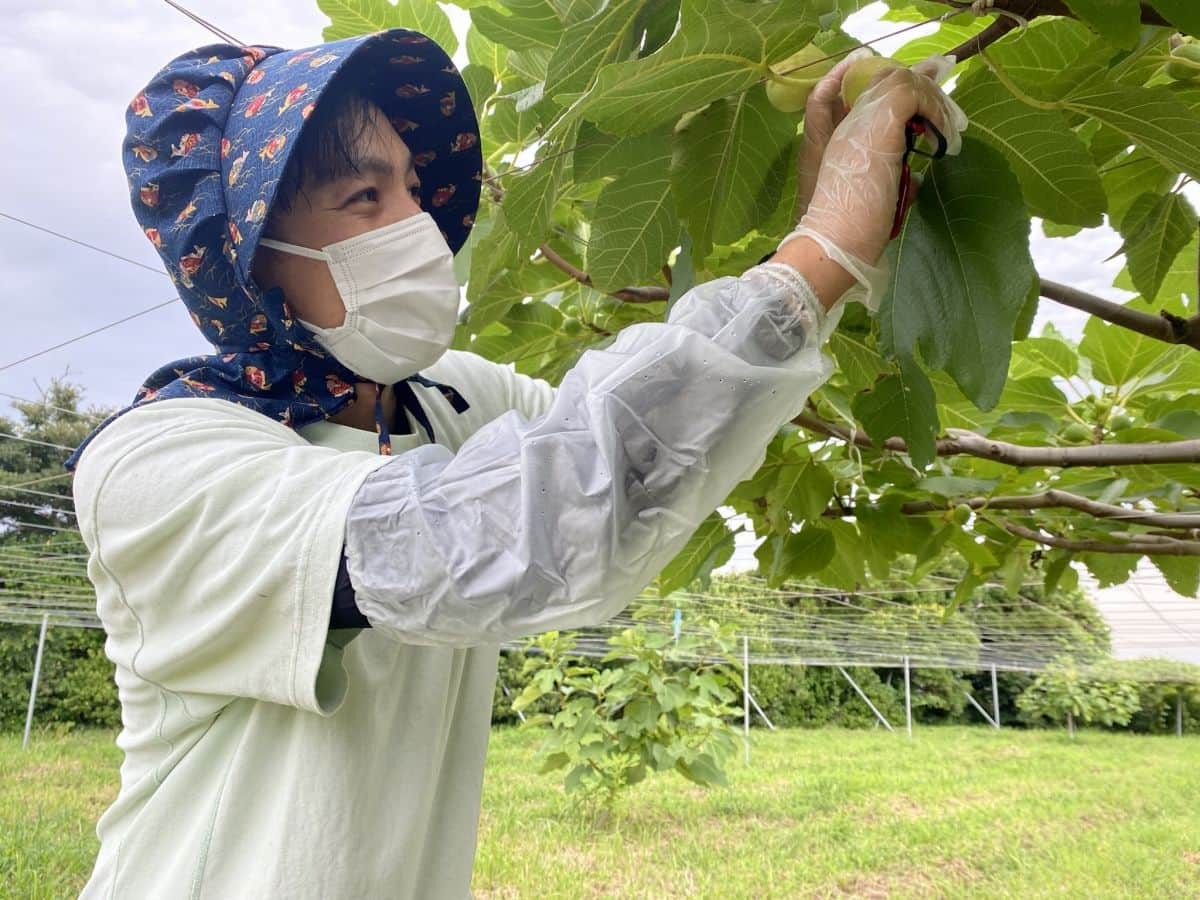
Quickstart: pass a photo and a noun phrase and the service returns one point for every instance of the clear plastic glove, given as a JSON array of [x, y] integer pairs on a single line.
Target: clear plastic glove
[[823, 113], [847, 207]]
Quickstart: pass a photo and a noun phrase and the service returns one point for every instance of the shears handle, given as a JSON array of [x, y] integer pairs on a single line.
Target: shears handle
[[914, 129]]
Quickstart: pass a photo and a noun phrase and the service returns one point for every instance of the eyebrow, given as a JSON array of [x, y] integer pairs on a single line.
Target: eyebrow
[[374, 165]]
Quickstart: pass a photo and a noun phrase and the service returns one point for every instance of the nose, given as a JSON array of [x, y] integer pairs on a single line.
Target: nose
[[408, 206]]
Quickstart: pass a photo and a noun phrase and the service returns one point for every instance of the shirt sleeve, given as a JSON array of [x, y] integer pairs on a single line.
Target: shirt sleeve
[[531, 397], [345, 612], [560, 520], [214, 536]]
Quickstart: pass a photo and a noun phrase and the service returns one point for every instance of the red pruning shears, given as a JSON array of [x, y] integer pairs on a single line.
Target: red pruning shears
[[914, 129]]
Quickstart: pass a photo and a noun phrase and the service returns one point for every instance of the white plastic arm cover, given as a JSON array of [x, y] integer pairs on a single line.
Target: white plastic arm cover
[[561, 521]]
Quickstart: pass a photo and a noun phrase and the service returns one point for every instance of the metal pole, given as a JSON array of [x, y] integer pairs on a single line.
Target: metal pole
[[770, 724], [1179, 712], [995, 696], [878, 714], [37, 671], [907, 698], [508, 693], [746, 694], [982, 711]]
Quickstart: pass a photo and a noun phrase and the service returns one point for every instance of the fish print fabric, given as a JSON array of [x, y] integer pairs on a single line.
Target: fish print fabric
[[207, 142]]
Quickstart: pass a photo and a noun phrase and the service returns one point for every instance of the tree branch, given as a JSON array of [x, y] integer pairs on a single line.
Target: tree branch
[[650, 294], [629, 294], [552, 257], [858, 438], [999, 27], [1155, 537], [969, 443], [1193, 534], [1052, 499], [1029, 10], [1176, 548], [972, 444], [1164, 327]]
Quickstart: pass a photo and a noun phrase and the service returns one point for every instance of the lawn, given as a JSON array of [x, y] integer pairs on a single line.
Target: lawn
[[966, 812]]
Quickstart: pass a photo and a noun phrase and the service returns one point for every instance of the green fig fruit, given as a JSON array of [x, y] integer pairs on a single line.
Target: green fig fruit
[[961, 514], [860, 74], [793, 79], [1076, 433], [1120, 423], [1184, 64]]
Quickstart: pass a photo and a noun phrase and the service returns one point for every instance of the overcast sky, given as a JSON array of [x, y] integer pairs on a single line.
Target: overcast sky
[[72, 67]]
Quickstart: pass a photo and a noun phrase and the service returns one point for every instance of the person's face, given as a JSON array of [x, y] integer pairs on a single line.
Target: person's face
[[385, 190]]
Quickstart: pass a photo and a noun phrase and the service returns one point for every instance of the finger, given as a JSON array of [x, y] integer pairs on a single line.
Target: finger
[[905, 106], [955, 117], [907, 93], [848, 60], [825, 107], [956, 113], [937, 68], [954, 122], [944, 113], [830, 86]]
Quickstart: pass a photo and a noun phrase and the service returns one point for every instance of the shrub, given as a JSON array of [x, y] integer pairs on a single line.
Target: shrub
[[1061, 691], [664, 707], [815, 696], [76, 684]]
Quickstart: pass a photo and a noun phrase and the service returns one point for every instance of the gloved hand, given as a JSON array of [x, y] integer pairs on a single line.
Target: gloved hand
[[823, 112], [850, 163]]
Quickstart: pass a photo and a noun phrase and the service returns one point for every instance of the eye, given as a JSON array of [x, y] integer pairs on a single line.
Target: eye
[[415, 191], [366, 195]]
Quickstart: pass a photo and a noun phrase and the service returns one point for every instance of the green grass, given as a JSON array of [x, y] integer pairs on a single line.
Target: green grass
[[959, 812], [50, 798]]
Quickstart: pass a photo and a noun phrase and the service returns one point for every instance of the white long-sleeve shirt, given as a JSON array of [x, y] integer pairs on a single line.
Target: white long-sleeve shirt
[[266, 755]]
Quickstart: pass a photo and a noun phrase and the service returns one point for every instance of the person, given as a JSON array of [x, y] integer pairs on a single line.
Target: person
[[308, 546]]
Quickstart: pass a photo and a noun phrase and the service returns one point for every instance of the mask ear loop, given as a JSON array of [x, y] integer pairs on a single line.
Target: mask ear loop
[[294, 249]]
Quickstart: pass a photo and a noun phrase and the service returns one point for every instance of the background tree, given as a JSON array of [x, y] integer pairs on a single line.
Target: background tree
[[35, 490], [39, 542], [1060, 692], [42, 569]]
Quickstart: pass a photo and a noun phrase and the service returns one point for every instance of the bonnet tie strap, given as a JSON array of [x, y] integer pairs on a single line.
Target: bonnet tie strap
[[406, 397]]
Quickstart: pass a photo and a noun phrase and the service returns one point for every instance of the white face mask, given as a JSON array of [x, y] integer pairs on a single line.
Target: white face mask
[[400, 294]]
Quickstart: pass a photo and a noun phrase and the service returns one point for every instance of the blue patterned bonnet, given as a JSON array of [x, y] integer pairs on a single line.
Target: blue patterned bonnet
[[207, 142]]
